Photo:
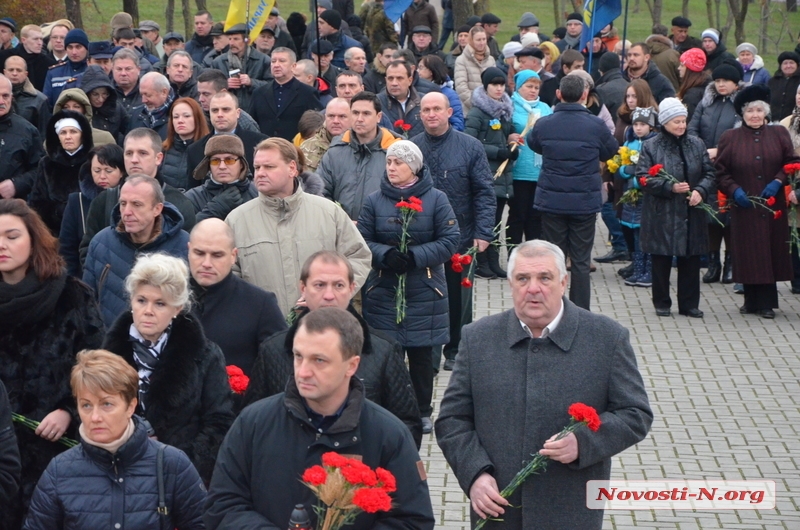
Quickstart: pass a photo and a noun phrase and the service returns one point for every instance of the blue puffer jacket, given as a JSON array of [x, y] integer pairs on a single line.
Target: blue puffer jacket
[[459, 168], [572, 141], [632, 213], [112, 253], [88, 487], [434, 238], [457, 120]]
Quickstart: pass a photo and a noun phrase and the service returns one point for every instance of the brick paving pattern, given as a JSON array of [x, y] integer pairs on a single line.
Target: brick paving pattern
[[724, 389]]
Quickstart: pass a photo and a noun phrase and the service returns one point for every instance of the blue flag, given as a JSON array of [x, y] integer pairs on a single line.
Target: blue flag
[[394, 9], [604, 11]]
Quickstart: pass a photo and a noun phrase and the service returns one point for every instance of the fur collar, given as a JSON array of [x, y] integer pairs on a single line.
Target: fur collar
[[710, 94], [501, 110], [377, 65], [312, 183]]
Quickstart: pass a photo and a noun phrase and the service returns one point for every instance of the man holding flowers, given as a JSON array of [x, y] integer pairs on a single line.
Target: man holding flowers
[[516, 377]]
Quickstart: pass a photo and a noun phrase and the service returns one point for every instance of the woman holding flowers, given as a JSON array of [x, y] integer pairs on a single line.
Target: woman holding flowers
[[413, 276], [46, 317], [676, 175], [750, 168]]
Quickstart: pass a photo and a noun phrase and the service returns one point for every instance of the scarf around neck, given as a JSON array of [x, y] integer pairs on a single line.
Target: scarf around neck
[[29, 301], [111, 447], [146, 355]]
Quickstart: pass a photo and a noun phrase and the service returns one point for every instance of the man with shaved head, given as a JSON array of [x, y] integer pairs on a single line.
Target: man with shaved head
[[21, 147], [337, 121], [459, 167], [220, 296]]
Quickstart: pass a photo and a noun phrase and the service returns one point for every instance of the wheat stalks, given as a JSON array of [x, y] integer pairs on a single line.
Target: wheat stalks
[[532, 117]]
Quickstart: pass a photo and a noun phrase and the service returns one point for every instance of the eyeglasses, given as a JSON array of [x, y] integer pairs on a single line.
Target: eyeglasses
[[227, 161]]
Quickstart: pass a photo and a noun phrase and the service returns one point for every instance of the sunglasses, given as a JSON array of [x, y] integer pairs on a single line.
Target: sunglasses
[[227, 161]]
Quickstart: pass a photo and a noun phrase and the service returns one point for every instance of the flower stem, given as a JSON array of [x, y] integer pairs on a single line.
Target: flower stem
[[33, 425]]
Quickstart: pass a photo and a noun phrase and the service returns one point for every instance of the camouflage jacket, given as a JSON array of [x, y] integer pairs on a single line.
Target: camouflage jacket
[[315, 147]]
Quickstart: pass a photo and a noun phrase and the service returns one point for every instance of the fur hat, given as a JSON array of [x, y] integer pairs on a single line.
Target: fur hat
[[788, 56], [726, 71], [669, 109], [694, 59], [750, 94], [221, 144], [408, 152], [645, 115], [332, 17]]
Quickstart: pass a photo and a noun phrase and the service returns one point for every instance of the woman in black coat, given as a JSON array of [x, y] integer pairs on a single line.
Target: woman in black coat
[[186, 125], [112, 476], [47, 318], [108, 114], [671, 223], [9, 452], [104, 169], [183, 386], [433, 238], [68, 141]]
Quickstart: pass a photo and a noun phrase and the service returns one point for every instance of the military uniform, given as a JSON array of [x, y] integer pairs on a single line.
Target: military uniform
[[61, 77], [315, 147]]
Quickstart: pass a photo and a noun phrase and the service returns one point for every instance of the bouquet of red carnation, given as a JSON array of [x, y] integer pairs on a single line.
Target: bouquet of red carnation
[[458, 261], [346, 487], [402, 128], [793, 172], [237, 379], [580, 415], [407, 210], [658, 171]]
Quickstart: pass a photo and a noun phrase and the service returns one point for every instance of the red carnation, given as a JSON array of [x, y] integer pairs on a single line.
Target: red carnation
[[403, 204], [778, 214], [414, 206], [332, 459], [457, 267], [643, 181], [414, 200], [771, 201], [406, 127], [791, 168], [237, 379], [315, 475], [399, 123], [386, 479], [585, 413], [372, 500], [455, 258], [655, 170], [466, 259], [466, 283]]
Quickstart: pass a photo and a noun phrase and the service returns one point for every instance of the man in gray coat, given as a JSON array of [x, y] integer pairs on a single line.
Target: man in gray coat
[[515, 376]]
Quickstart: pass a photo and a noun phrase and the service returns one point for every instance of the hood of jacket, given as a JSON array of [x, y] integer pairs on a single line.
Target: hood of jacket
[[758, 63], [168, 224], [658, 44], [53, 145], [312, 183], [95, 77], [612, 74], [377, 65], [501, 110], [384, 139], [710, 94], [86, 182], [719, 50], [420, 187], [74, 94]]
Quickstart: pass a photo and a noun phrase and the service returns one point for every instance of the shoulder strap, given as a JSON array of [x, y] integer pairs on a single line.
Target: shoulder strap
[[162, 498], [83, 215]]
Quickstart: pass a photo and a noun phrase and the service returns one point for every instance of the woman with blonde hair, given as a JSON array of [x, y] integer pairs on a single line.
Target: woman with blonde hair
[[471, 64], [117, 466], [183, 385]]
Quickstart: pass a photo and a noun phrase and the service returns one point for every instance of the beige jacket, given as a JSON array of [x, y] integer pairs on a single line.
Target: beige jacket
[[276, 236], [467, 74]]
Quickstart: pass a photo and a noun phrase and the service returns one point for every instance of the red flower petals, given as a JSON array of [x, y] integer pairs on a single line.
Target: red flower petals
[[237, 379], [315, 475], [466, 283], [331, 459], [791, 168], [655, 170], [777, 215], [771, 201], [387, 480], [457, 267], [413, 203], [372, 500], [586, 414], [643, 181], [466, 259]]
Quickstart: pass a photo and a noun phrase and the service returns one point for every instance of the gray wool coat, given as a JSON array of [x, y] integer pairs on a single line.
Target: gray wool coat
[[503, 403]]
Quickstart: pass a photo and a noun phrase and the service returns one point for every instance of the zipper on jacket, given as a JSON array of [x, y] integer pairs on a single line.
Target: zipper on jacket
[[429, 272]]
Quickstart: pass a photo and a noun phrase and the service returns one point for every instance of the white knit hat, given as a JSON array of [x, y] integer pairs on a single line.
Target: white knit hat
[[669, 109], [408, 152]]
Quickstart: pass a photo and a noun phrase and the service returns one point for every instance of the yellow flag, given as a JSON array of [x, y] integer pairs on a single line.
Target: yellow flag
[[259, 13]]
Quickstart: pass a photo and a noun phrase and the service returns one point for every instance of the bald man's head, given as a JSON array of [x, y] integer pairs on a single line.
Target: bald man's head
[[212, 252], [5, 95], [435, 112], [16, 69]]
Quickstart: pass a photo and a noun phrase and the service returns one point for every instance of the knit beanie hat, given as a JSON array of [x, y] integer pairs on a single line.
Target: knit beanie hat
[[510, 49], [77, 36], [221, 144], [463, 29], [522, 76], [529, 39], [669, 109], [694, 59], [645, 115], [608, 62], [711, 33], [746, 46], [408, 152], [726, 71], [332, 17], [493, 76]]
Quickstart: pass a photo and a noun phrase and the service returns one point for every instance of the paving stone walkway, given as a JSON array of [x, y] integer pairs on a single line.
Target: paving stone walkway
[[724, 389]]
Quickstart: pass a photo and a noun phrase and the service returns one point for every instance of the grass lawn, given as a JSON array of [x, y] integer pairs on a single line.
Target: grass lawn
[[639, 24]]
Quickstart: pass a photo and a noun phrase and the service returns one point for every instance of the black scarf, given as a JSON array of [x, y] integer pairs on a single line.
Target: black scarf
[[30, 300]]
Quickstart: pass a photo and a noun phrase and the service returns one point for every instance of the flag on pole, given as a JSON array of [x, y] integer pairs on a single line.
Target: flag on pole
[[394, 9], [259, 13], [604, 13]]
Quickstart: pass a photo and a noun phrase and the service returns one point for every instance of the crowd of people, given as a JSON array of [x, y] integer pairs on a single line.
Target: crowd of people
[[310, 210]]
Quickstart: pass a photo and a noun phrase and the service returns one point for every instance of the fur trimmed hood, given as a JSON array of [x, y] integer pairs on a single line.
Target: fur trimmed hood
[[312, 183], [52, 143], [710, 95], [502, 110], [378, 66]]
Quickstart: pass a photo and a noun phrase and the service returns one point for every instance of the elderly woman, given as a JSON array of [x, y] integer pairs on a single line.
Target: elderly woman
[[671, 225], [228, 185], [183, 386], [792, 122], [186, 125], [750, 163], [113, 475], [433, 237], [784, 84], [752, 64], [68, 141], [47, 317]]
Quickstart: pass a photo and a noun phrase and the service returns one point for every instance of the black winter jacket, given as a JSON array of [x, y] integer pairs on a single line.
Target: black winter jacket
[[458, 166], [670, 227], [73, 225], [783, 91], [10, 466], [38, 344], [713, 116], [196, 151], [611, 88], [209, 201], [112, 116], [257, 67], [58, 173], [189, 402], [433, 239], [393, 111], [32, 105], [20, 151], [381, 370], [660, 86], [131, 100], [273, 438], [238, 333], [38, 63], [572, 143], [159, 122], [199, 46], [175, 168], [719, 56], [88, 487]]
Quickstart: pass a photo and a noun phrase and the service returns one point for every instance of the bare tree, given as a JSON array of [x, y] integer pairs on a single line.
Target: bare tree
[[685, 9], [187, 20], [201, 6], [74, 12], [556, 13], [170, 15], [132, 8], [462, 10], [738, 10], [655, 7], [480, 7]]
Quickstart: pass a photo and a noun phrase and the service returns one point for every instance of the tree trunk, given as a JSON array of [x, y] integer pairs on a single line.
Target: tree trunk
[[481, 7], [577, 6], [462, 10], [170, 15], [636, 6], [655, 7], [132, 8], [685, 9], [188, 21], [762, 47], [738, 10], [201, 6], [710, 12], [73, 8], [556, 14]]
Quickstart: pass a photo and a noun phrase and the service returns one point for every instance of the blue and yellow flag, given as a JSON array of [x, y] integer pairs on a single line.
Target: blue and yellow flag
[[604, 12], [259, 13]]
